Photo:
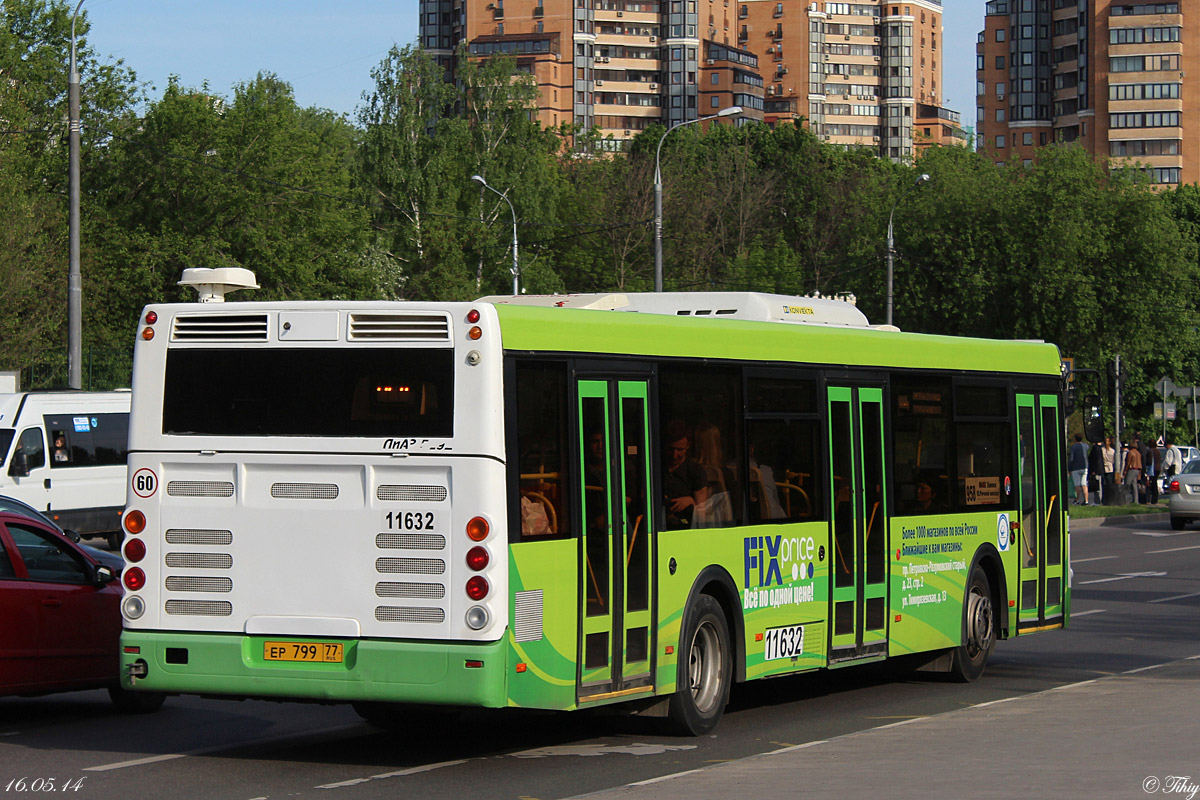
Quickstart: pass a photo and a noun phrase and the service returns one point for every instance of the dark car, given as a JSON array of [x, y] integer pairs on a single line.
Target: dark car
[[62, 621], [108, 559]]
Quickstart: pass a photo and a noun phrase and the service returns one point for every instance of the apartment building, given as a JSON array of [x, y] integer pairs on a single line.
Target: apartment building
[[1111, 75], [862, 73]]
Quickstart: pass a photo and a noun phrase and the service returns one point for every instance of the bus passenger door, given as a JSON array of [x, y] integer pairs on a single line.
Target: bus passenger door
[[615, 572], [1041, 536], [858, 516]]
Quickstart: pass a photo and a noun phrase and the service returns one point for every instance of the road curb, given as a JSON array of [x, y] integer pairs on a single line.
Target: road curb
[[1103, 522]]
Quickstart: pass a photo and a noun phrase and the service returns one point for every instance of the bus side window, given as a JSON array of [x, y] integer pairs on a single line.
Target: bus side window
[[921, 431], [544, 476]]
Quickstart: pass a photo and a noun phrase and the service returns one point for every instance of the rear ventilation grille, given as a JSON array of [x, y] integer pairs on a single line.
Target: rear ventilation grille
[[410, 541], [401, 614], [189, 536], [422, 591], [220, 328], [305, 491], [401, 327], [411, 494], [200, 560], [188, 583], [200, 608], [410, 566], [200, 488], [527, 616]]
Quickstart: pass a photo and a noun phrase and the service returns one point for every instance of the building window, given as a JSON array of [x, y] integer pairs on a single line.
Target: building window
[[1027, 138], [1000, 142], [716, 101]]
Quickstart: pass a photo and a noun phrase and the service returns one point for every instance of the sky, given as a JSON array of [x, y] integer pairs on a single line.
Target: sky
[[326, 50]]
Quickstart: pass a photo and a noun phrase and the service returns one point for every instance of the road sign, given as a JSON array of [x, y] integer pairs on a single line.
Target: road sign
[[1165, 386], [1158, 411]]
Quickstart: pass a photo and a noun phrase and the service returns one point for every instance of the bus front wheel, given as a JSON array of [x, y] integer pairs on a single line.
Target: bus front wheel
[[705, 670], [979, 626]]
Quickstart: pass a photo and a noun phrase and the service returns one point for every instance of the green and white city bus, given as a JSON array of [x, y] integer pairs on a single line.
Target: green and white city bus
[[569, 502]]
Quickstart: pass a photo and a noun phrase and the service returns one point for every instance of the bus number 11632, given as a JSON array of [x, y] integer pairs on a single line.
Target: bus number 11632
[[409, 520]]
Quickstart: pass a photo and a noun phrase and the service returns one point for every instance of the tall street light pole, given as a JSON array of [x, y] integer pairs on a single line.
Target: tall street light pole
[[74, 283], [658, 218], [891, 245], [516, 267]]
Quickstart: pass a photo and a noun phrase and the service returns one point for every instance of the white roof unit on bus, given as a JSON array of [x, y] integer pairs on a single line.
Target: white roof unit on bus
[[214, 284], [757, 306]]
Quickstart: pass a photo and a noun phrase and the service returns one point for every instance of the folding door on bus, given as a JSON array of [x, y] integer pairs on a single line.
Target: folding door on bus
[[858, 509], [614, 563], [1041, 535]]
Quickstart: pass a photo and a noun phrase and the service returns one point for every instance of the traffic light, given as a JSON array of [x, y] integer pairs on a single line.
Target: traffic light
[[1069, 399], [1093, 418]]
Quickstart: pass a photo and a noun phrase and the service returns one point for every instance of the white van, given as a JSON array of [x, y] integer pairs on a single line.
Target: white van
[[64, 453]]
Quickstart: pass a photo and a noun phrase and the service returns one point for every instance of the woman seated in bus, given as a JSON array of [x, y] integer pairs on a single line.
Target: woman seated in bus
[[927, 499], [717, 509], [684, 483]]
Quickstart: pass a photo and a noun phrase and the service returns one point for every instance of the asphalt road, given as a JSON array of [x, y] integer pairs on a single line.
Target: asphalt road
[[1136, 595]]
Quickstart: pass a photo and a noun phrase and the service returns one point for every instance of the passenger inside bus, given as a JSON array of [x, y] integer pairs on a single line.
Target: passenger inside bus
[[685, 485]]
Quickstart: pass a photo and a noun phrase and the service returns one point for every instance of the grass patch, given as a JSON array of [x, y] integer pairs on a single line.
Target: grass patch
[[1091, 512]]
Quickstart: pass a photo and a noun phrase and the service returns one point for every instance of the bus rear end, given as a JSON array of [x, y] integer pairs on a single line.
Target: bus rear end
[[316, 503]]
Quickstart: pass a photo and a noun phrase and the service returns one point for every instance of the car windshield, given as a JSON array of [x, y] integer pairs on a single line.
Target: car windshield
[[6, 436], [1192, 467]]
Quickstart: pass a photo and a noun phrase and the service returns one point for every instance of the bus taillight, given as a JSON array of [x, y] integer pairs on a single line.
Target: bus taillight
[[477, 587], [134, 578], [472, 316], [477, 529], [135, 550], [151, 317], [477, 558], [135, 522]]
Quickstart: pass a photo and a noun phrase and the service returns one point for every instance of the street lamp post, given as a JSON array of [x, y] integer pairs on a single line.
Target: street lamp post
[[891, 248], [74, 283], [516, 267], [658, 219]]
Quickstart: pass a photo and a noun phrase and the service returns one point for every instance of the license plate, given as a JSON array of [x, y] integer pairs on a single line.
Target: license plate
[[318, 652], [783, 642]]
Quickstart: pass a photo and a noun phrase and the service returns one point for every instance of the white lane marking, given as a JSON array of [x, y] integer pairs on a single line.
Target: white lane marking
[[400, 773], [1159, 534], [1176, 597], [1075, 614], [590, 750], [1124, 577], [661, 778], [1175, 549], [137, 762], [1085, 560]]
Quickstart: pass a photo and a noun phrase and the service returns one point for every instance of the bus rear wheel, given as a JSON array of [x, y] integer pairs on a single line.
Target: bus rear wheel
[[979, 627], [705, 670]]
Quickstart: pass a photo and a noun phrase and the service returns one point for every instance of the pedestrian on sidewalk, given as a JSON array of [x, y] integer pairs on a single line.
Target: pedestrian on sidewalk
[[1077, 465], [1153, 467], [1133, 472]]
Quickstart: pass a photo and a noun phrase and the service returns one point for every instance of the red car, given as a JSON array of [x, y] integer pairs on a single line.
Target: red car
[[61, 616]]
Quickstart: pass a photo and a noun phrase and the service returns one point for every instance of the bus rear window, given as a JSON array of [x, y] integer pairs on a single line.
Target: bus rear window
[[317, 392]]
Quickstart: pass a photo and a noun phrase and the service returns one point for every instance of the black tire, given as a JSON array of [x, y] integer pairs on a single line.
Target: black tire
[[1178, 523], [128, 702], [705, 670], [114, 541], [979, 629]]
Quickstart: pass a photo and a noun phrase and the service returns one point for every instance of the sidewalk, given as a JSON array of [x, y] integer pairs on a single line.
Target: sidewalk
[[1128, 519], [1118, 737]]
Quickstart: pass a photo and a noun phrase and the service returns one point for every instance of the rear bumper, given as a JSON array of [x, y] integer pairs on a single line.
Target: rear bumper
[[452, 673]]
